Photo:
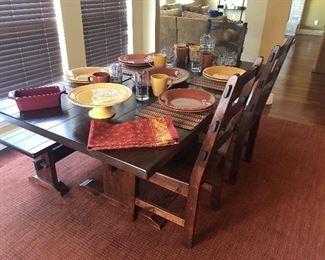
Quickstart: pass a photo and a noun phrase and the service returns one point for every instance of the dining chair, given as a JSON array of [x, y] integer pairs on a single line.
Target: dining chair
[[247, 127], [230, 38], [187, 175]]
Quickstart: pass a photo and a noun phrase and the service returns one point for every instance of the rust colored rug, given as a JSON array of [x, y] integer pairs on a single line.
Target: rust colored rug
[[276, 211]]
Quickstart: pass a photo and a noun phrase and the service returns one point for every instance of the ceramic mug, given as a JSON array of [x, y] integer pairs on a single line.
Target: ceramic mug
[[207, 59], [159, 60], [99, 77], [181, 50], [160, 83]]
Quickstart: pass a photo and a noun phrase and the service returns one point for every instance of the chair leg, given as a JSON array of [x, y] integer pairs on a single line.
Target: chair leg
[[251, 141], [190, 215], [235, 161], [216, 192], [217, 185]]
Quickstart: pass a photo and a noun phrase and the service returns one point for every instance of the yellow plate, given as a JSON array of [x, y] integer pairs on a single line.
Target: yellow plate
[[214, 79], [100, 97], [80, 75], [221, 73]]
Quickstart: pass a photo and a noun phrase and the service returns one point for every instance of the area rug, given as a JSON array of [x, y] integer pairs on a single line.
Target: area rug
[[276, 210]]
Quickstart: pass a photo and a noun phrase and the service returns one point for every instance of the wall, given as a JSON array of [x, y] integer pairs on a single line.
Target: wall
[[137, 26], [73, 33], [144, 25], [255, 17], [314, 9], [276, 19]]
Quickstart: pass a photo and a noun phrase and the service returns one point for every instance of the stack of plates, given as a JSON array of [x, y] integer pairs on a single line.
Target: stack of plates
[[135, 60], [221, 73]]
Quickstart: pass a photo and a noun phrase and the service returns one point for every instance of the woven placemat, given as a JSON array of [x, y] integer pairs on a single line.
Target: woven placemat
[[207, 83], [185, 120]]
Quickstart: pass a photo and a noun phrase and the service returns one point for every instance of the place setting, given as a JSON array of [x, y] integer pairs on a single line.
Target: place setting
[[102, 89], [216, 77], [81, 75], [132, 63], [187, 106]]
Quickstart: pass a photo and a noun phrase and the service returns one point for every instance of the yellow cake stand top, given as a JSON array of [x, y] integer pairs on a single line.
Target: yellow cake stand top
[[100, 97]]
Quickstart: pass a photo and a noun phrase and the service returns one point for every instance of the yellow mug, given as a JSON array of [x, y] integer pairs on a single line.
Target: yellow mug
[[159, 60], [160, 83]]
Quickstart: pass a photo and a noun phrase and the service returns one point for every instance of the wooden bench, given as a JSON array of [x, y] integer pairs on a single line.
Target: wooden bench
[[44, 152]]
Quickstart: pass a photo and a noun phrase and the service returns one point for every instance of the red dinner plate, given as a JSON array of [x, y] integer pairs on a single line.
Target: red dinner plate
[[135, 59], [187, 100]]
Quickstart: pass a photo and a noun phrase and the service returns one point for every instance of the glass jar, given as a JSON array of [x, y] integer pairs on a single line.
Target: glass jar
[[207, 43]]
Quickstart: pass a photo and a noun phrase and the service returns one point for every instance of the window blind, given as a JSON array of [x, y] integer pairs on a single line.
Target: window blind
[[29, 44], [105, 30]]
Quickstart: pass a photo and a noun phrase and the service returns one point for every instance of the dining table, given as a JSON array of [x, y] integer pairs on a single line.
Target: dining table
[[121, 169]]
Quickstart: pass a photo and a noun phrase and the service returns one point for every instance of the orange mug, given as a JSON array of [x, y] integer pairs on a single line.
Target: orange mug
[[181, 50], [99, 77], [207, 59]]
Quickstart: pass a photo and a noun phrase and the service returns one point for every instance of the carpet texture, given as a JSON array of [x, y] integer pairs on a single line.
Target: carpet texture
[[276, 210]]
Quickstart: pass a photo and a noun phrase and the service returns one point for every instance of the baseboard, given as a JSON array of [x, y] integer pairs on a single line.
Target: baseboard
[[310, 32]]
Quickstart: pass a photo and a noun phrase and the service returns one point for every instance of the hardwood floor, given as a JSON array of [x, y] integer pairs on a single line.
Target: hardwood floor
[[299, 94]]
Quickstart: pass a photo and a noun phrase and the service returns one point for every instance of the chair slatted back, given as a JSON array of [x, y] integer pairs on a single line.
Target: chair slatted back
[[229, 109], [265, 84], [237, 45], [219, 133], [246, 130]]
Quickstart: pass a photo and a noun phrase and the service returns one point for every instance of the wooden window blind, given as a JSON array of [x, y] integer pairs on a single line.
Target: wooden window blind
[[29, 44], [105, 30]]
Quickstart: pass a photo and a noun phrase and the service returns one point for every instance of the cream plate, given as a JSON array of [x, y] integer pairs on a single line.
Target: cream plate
[[80, 75], [214, 79], [221, 73], [100, 97]]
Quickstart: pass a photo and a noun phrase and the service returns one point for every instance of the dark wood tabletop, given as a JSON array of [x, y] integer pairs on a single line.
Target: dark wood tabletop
[[69, 125]]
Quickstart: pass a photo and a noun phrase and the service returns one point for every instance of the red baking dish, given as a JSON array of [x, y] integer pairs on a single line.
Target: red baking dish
[[28, 99]]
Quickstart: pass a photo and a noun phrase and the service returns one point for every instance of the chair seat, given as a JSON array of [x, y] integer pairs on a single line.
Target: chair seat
[[180, 167]]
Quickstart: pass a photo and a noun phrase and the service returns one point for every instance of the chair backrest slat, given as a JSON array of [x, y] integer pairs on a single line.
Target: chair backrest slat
[[235, 46]]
